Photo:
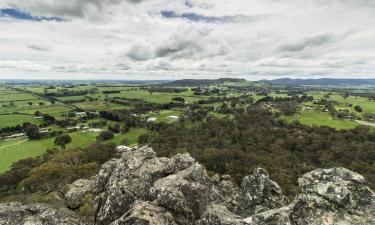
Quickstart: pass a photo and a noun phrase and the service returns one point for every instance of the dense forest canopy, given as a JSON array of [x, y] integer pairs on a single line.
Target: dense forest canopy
[[255, 138]]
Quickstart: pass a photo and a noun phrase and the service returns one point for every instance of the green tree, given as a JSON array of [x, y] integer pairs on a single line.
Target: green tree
[[358, 108], [105, 135], [62, 140], [32, 131]]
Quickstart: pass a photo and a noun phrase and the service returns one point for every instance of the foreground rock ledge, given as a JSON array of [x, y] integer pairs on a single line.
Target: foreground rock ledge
[[142, 189]]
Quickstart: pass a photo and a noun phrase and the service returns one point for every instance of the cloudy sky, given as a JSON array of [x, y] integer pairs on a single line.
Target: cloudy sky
[[172, 39]]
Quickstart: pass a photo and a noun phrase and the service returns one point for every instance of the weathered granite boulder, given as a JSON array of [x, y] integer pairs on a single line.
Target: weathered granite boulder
[[77, 191], [145, 213], [185, 193], [14, 213], [225, 192], [121, 182], [219, 215], [329, 196], [259, 193]]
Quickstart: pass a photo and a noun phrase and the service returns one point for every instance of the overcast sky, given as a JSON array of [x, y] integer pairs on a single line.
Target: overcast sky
[[173, 39]]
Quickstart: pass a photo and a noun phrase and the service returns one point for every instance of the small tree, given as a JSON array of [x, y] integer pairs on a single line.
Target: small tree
[[124, 141], [38, 113], [32, 131], [358, 108], [62, 140], [105, 135], [115, 129]]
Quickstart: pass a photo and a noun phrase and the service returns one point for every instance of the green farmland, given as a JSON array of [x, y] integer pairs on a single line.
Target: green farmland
[[312, 118], [13, 150]]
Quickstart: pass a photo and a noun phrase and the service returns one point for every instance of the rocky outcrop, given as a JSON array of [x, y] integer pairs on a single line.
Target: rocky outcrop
[[75, 195], [178, 191], [14, 213], [134, 177], [329, 196], [142, 189]]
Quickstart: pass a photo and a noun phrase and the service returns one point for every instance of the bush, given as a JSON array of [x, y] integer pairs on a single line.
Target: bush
[[106, 135], [32, 131], [62, 140], [358, 108]]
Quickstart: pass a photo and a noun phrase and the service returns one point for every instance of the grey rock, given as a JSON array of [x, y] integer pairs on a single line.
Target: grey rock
[[121, 182], [184, 193], [329, 196], [225, 192], [142, 189], [219, 215], [338, 195], [259, 193], [77, 191], [272, 217], [15, 213], [145, 213]]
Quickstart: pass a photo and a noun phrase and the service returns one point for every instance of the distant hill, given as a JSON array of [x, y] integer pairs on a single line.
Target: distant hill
[[201, 82], [322, 82]]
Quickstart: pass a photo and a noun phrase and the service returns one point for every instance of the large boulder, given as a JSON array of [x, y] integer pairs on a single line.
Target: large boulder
[[220, 215], [121, 182], [259, 193], [184, 193], [15, 213], [329, 196], [145, 213], [225, 192], [77, 191]]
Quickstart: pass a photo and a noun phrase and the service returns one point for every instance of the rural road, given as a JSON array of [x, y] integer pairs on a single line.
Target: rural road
[[365, 123]]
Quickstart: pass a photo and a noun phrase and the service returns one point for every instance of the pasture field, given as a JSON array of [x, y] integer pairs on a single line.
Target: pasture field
[[16, 119], [367, 105], [156, 97], [164, 115], [132, 136], [312, 118], [14, 150], [53, 110], [120, 88], [6, 97], [69, 98], [21, 106], [99, 105]]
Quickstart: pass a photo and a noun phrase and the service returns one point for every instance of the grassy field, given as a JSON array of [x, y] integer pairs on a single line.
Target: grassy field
[[312, 118], [164, 115], [16, 119], [10, 97], [99, 105], [367, 105], [156, 97], [14, 150], [11, 151], [132, 136]]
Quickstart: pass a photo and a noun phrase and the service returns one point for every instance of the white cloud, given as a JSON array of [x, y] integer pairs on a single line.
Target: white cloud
[[212, 38]]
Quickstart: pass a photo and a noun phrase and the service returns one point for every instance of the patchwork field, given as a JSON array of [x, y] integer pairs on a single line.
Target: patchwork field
[[13, 150], [368, 106], [312, 118], [15, 119], [156, 97]]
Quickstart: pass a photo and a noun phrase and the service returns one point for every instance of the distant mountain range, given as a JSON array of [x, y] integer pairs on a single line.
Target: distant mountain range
[[322, 82], [201, 82]]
